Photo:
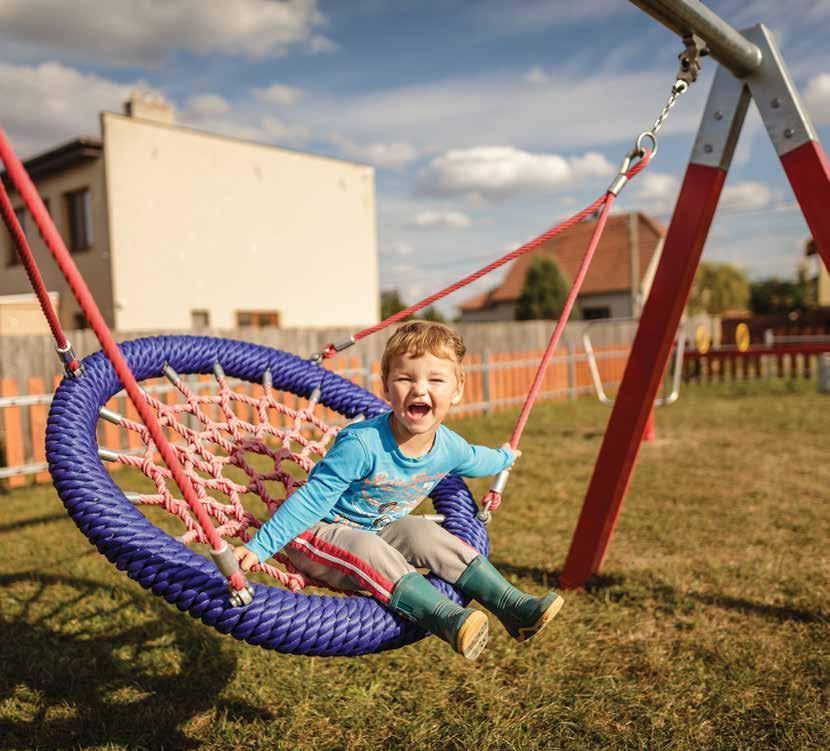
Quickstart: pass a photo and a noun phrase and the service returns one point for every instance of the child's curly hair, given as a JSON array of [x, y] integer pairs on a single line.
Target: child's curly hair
[[415, 338]]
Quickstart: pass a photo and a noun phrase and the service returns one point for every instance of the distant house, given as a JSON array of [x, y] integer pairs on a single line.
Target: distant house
[[179, 229], [616, 284], [823, 276]]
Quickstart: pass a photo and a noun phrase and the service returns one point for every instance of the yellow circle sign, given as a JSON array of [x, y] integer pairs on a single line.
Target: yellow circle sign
[[702, 339], [742, 337]]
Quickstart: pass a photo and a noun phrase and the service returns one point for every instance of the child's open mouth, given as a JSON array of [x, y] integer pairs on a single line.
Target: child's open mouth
[[418, 410]]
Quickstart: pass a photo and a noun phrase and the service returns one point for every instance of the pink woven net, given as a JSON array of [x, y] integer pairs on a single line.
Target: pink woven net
[[222, 447]]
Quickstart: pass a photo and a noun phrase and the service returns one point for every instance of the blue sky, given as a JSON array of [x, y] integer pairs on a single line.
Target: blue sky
[[487, 122]]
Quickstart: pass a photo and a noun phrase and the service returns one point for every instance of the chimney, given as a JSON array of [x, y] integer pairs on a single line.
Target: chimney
[[149, 107]]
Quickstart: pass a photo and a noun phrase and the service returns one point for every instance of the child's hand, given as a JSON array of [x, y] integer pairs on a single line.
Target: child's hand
[[516, 452], [246, 558]]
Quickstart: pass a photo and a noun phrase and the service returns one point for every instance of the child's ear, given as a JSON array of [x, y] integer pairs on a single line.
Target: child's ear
[[459, 393]]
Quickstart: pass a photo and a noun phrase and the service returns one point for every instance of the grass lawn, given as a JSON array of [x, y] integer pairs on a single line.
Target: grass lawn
[[708, 628]]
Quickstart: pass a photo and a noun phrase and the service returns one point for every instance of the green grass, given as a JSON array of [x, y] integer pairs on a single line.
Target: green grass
[[708, 628]]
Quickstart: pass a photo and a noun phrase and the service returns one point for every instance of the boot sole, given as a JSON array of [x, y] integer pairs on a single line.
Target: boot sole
[[472, 636], [526, 633]]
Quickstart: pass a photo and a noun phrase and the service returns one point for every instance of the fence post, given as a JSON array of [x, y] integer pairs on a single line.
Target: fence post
[[485, 380], [12, 423], [571, 357]]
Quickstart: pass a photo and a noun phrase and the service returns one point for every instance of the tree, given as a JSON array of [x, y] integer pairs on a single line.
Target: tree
[[544, 291], [718, 287], [433, 314], [775, 295], [391, 303]]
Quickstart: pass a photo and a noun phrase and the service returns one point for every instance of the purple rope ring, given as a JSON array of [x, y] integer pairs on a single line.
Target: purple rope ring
[[277, 619]]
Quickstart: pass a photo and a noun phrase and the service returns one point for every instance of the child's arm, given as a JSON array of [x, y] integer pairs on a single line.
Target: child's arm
[[344, 463], [480, 461]]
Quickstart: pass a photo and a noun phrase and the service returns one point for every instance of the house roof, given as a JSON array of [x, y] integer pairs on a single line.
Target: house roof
[[610, 269], [68, 154]]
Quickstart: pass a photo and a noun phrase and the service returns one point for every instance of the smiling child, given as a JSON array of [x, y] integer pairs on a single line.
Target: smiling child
[[349, 525]]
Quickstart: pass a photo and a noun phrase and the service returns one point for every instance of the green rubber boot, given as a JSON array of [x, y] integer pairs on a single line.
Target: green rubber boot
[[465, 629], [522, 615]]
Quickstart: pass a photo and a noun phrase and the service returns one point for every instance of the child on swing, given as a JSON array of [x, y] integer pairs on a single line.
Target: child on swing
[[350, 522]]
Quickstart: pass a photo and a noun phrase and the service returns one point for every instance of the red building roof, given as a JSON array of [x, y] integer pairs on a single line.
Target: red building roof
[[610, 269]]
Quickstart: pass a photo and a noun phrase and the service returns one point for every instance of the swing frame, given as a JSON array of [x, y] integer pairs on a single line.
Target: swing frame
[[752, 69]]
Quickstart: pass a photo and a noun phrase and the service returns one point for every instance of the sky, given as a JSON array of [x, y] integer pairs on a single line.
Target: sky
[[486, 122]]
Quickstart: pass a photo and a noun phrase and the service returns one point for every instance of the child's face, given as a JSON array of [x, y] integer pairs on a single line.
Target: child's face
[[421, 391]]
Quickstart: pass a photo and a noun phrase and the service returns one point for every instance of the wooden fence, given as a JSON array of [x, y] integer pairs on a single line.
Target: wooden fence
[[495, 381], [789, 360]]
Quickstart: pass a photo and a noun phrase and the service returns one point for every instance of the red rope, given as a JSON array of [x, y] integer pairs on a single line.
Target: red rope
[[25, 253], [56, 246], [493, 498]]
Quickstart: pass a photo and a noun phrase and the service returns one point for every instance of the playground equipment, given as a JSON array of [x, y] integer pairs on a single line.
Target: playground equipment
[[298, 623], [660, 401], [219, 594], [751, 68]]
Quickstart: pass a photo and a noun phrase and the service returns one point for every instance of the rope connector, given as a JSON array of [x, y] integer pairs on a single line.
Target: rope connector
[[330, 350], [226, 562], [632, 159], [71, 365]]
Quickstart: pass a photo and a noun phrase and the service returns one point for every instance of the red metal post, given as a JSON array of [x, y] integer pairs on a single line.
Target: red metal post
[[809, 175], [650, 351]]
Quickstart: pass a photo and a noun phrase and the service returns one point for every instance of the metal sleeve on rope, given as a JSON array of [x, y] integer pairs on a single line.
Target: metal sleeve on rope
[[110, 416], [500, 482], [226, 562]]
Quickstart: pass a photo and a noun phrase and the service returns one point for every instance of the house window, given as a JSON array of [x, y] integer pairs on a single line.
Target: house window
[[200, 319], [12, 257], [592, 314], [79, 321], [259, 319], [79, 210]]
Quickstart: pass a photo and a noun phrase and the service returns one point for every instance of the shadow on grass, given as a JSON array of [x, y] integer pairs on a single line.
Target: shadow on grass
[[91, 664], [662, 596], [657, 595], [773, 612], [45, 519]]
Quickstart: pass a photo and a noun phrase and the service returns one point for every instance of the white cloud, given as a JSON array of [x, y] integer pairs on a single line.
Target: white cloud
[[390, 155], [440, 218], [746, 196], [654, 193], [207, 104], [569, 111], [278, 94], [283, 132], [144, 32], [817, 99], [53, 103], [536, 76], [398, 250], [499, 171]]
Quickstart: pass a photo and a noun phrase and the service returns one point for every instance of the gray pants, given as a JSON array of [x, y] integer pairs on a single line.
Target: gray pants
[[350, 558]]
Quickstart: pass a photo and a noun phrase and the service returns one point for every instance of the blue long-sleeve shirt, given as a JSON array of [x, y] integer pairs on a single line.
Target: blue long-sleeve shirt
[[365, 481]]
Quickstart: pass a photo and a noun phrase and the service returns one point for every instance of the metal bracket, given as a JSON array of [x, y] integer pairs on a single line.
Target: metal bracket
[[722, 121], [690, 58], [776, 97]]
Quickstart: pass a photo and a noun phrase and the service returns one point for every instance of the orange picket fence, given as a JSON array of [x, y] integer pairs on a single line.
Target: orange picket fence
[[495, 381]]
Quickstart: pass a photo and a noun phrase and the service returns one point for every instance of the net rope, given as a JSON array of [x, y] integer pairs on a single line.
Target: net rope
[[208, 452]]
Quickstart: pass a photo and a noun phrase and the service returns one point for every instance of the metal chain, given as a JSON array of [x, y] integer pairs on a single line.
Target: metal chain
[[677, 89]]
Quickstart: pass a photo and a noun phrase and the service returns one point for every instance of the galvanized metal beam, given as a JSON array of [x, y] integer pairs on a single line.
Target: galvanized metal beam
[[727, 45]]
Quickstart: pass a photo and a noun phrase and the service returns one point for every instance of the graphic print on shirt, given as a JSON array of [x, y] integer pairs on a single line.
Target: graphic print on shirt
[[396, 496]]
